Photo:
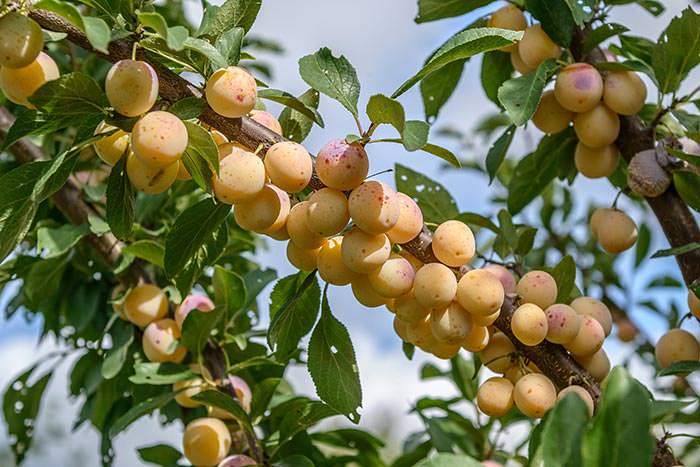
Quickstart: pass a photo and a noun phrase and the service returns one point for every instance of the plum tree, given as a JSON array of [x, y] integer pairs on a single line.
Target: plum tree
[[598, 127], [579, 87], [206, 441], [498, 355], [393, 278], [363, 252], [495, 396], [504, 275], [267, 212], [150, 180], [298, 228], [580, 392], [435, 285], [18, 84], [598, 364], [624, 92], [158, 341], [534, 394], [480, 292], [192, 302], [113, 146], [327, 212], [145, 303], [266, 119], [409, 223], [21, 40], [374, 207], [451, 324], [676, 345], [132, 87], [550, 116], [508, 17], [364, 292], [341, 165], [330, 264], [536, 46], [596, 162], [289, 166], [538, 287], [302, 258], [476, 339], [159, 139], [615, 230], [595, 309], [241, 175], [231, 92], [562, 323], [589, 338], [453, 243], [529, 324]]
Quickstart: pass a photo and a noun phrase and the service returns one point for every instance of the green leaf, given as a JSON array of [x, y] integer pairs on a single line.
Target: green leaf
[[449, 460], [472, 218], [462, 46], [149, 250], [526, 240], [652, 6], [263, 393], [680, 368], [191, 229], [537, 170], [96, 30], [227, 403], [437, 88], [295, 460], [295, 125], [434, 149], [662, 409], [642, 246], [292, 102], [496, 69], [122, 334], [201, 156], [229, 290], [198, 327], [160, 454], [497, 152], [691, 123], [58, 241], [71, 95], [687, 185], [188, 108], [160, 373], [333, 367], [680, 250], [520, 96], [207, 50], [431, 10], [601, 34], [174, 37], [120, 201], [561, 435], [383, 109], [334, 77], [294, 305], [233, 13], [20, 406], [677, 51], [693, 159], [415, 135], [620, 434], [556, 18], [433, 198], [564, 274], [229, 45], [141, 409]]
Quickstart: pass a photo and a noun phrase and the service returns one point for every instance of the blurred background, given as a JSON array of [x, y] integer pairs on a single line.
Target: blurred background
[[384, 44]]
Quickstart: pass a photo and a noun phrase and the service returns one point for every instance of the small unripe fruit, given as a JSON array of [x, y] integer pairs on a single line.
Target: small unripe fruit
[[400, 328], [625, 92], [596, 309], [677, 345], [409, 310], [159, 139], [504, 275], [534, 394], [563, 323], [231, 92], [267, 120], [495, 397], [486, 320], [267, 212], [694, 304], [529, 324], [596, 162], [589, 338], [645, 176], [330, 263], [18, 84], [158, 341], [21, 40], [186, 390], [476, 339], [498, 356], [538, 287], [509, 17], [363, 252], [365, 293], [435, 286], [480, 292], [298, 227], [579, 87], [145, 303], [241, 176], [327, 212], [597, 127], [451, 324], [200, 303], [615, 230], [409, 223], [519, 64], [581, 393], [341, 165], [453, 243], [112, 147], [301, 258], [238, 460], [206, 442], [289, 166], [550, 116], [626, 331], [374, 207], [132, 87], [598, 364], [535, 47], [150, 180], [393, 278]]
